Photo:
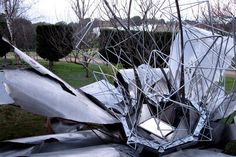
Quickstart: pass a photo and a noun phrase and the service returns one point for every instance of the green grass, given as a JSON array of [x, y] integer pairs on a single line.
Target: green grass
[[230, 84], [230, 148], [75, 74], [72, 73], [16, 123]]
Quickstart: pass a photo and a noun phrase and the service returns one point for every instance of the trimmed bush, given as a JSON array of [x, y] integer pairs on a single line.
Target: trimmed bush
[[53, 42], [4, 47], [117, 42]]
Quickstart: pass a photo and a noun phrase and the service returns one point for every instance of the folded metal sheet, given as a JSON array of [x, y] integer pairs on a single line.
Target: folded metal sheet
[[203, 50], [206, 56], [157, 127], [149, 76], [66, 150], [46, 94], [79, 143], [11, 150], [81, 138], [65, 126], [230, 133], [146, 74], [104, 92], [110, 150], [41, 69], [198, 153], [225, 109], [42, 95], [145, 114], [4, 97]]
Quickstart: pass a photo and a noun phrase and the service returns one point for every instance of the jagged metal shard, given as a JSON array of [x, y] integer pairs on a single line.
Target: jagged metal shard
[[104, 92], [157, 127], [4, 97], [41, 95]]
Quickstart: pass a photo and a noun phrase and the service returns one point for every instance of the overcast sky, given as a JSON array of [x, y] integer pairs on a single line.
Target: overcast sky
[[53, 11]]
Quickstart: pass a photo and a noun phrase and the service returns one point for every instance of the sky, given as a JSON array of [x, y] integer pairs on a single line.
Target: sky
[[53, 11]]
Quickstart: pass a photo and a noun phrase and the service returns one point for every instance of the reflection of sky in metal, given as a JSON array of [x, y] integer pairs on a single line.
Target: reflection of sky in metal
[[157, 127]]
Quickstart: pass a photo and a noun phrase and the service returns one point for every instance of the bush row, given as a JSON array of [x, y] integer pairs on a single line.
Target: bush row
[[121, 46], [54, 41]]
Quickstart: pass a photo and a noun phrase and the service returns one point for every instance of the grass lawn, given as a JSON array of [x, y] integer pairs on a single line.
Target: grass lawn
[[16, 123], [230, 84], [74, 74]]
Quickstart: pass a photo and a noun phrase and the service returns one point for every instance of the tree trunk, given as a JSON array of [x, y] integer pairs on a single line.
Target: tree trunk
[[87, 69], [5, 61], [85, 62], [9, 20], [50, 64]]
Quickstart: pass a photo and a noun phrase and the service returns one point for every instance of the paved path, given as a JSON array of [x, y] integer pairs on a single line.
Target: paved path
[[230, 73]]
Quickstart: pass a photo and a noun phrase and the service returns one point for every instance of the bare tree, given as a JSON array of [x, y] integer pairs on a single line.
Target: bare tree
[[83, 32], [14, 9], [23, 31], [133, 44], [217, 14], [82, 8], [3, 33]]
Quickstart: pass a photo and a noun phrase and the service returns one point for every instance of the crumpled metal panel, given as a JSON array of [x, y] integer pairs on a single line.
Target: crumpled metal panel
[[145, 72], [198, 153], [230, 133], [225, 109], [4, 97], [60, 149], [42, 92], [206, 56], [19, 150], [104, 92], [41, 69], [81, 138], [44, 96], [81, 143], [96, 151]]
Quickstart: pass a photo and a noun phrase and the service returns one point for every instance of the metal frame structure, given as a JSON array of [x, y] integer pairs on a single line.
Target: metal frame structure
[[158, 107]]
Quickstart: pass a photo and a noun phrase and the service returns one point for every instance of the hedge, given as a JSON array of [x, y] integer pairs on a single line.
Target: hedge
[[127, 47], [53, 41]]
